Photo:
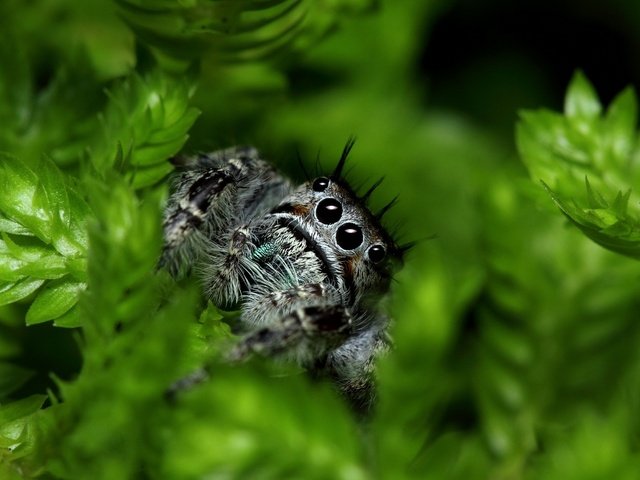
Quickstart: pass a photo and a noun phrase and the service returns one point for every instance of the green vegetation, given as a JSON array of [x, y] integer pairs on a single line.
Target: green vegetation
[[515, 332]]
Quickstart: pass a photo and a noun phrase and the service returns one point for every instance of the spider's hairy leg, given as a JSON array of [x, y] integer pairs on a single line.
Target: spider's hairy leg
[[303, 335], [263, 308], [186, 383], [211, 192], [230, 267], [352, 367]]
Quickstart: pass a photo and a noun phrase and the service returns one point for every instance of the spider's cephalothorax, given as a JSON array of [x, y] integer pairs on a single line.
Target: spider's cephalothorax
[[306, 266]]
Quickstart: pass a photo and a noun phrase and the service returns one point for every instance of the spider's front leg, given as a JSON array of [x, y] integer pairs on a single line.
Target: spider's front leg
[[321, 336], [208, 197], [305, 334], [352, 366], [230, 268]]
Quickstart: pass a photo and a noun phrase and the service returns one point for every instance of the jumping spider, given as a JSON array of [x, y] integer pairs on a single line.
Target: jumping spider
[[307, 266]]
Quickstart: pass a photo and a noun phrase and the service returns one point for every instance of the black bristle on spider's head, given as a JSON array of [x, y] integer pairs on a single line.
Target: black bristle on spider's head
[[337, 172], [365, 197], [405, 247], [386, 208]]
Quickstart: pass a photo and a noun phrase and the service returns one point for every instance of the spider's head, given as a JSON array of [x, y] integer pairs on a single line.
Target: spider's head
[[366, 252], [345, 234]]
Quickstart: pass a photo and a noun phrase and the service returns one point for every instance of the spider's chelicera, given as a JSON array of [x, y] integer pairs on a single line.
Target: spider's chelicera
[[307, 266]]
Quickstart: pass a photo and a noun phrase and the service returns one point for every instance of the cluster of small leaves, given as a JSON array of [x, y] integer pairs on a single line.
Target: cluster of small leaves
[[55, 119], [144, 124], [587, 160], [47, 48], [44, 240], [133, 124], [42, 256], [224, 31]]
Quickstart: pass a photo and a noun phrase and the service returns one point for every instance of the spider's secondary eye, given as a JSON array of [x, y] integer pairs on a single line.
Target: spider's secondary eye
[[349, 236], [329, 211], [320, 184], [376, 253]]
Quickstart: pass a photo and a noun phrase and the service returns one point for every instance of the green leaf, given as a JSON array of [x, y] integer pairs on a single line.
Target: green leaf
[[620, 125], [594, 199], [21, 408], [18, 185], [71, 319], [12, 292], [9, 226], [54, 300], [620, 204], [144, 177], [582, 101]]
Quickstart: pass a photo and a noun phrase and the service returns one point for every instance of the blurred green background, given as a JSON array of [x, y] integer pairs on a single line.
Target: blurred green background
[[516, 336]]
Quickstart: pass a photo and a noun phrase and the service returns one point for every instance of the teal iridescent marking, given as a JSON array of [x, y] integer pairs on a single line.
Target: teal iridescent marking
[[265, 251]]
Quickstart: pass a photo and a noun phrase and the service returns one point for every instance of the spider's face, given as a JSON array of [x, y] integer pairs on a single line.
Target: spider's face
[[347, 232]]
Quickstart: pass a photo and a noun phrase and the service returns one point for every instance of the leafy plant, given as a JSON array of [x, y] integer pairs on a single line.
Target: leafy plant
[[223, 31], [587, 161], [44, 240], [515, 337], [145, 123]]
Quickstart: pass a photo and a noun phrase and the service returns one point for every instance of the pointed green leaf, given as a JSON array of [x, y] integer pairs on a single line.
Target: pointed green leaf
[[145, 177], [594, 199], [151, 155], [620, 125], [20, 408], [54, 300], [71, 319], [621, 204], [18, 186], [581, 100], [9, 226], [47, 267], [12, 292]]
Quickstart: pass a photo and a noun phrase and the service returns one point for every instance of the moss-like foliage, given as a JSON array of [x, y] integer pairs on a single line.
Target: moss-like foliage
[[515, 334]]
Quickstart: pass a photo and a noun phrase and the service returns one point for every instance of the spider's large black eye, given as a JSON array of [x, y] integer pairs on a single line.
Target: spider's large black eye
[[320, 184], [376, 253], [349, 236], [329, 211]]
